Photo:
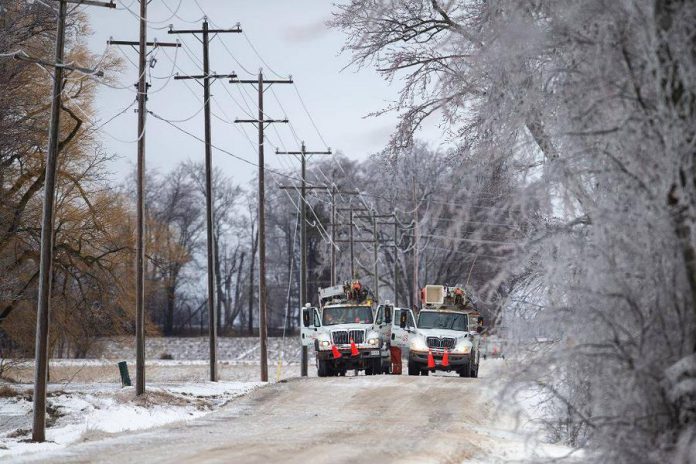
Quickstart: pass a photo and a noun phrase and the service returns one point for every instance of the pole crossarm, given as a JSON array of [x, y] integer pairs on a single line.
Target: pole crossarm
[[355, 241], [235, 30], [149, 44], [265, 81], [262, 121], [319, 187], [91, 3], [376, 216], [204, 76]]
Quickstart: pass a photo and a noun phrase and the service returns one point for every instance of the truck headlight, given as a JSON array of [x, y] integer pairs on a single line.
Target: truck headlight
[[418, 344], [463, 349], [324, 344], [373, 341]]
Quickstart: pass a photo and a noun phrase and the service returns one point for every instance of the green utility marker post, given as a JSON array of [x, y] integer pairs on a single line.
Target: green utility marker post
[[125, 378]]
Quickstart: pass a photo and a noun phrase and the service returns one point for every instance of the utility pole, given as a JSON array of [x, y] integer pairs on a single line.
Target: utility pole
[[303, 234], [47, 226], [142, 44], [261, 124], [352, 210], [396, 261], [209, 210], [416, 290], [375, 247], [352, 248]]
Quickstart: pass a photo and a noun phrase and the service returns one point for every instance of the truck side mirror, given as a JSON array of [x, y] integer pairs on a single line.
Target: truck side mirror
[[388, 314], [403, 319], [305, 317]]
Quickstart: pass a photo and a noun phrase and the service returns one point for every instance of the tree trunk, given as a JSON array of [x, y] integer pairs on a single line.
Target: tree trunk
[[169, 315], [238, 289]]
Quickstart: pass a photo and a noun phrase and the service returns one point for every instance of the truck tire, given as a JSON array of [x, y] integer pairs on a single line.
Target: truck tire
[[474, 366], [323, 368], [377, 368], [412, 369], [474, 371], [465, 371]]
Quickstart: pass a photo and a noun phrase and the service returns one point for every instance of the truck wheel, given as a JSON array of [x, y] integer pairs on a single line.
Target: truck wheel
[[323, 369], [425, 372], [465, 371], [377, 366], [474, 366], [412, 369]]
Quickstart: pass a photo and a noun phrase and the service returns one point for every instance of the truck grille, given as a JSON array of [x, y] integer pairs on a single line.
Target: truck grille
[[435, 342], [342, 337]]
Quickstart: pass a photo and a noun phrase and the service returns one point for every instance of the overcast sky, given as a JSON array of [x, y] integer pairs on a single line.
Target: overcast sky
[[292, 39]]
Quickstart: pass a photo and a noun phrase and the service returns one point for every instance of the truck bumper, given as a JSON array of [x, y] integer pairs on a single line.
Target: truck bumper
[[420, 358], [363, 353], [361, 361]]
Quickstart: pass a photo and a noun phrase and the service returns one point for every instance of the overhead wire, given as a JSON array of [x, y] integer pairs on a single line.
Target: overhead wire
[[151, 22], [194, 58], [89, 120]]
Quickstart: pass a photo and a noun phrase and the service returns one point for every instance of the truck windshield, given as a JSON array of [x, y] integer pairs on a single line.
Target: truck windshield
[[347, 315], [437, 320]]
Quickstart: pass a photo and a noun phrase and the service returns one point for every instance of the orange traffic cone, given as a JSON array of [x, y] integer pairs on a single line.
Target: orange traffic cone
[[336, 353], [445, 359], [353, 349], [431, 360]]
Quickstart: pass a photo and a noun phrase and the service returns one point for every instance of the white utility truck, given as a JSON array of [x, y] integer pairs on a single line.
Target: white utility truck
[[447, 333], [342, 332]]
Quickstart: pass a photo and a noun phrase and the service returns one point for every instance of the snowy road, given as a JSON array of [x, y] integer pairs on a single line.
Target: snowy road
[[322, 420]]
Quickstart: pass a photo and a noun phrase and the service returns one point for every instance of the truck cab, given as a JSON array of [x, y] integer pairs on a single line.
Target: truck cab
[[446, 336], [342, 332]]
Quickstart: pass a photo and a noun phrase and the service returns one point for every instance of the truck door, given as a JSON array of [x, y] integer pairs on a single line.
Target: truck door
[[383, 320], [400, 337], [308, 325]]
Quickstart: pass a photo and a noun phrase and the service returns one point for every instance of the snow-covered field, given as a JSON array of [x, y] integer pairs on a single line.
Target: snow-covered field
[[82, 412], [86, 401], [238, 361], [229, 349]]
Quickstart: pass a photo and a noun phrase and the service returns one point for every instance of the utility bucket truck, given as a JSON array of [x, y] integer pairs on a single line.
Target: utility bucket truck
[[447, 333], [342, 332]]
